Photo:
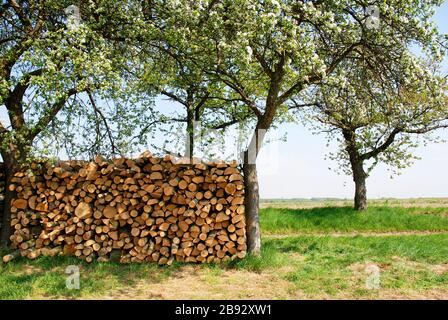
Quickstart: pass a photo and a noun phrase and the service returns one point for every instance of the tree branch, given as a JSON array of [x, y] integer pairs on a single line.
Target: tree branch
[[103, 118], [172, 96], [22, 86], [50, 115], [264, 64], [387, 143]]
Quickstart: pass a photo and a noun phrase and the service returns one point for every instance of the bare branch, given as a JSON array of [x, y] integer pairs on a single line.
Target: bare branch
[[103, 118]]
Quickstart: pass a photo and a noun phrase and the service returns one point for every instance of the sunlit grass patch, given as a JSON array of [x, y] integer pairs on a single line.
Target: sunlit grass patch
[[345, 219]]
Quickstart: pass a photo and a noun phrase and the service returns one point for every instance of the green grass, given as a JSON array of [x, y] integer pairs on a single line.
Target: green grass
[[46, 277], [345, 219], [432, 249]]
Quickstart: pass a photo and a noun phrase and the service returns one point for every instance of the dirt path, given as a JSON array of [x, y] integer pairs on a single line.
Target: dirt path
[[354, 234]]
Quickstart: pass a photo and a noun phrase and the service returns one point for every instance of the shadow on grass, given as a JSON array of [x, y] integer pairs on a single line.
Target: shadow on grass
[[323, 212]]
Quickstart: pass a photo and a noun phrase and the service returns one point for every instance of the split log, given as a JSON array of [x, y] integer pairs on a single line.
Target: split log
[[9, 257]]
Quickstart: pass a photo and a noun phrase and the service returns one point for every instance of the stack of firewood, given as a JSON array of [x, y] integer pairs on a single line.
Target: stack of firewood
[[130, 210]]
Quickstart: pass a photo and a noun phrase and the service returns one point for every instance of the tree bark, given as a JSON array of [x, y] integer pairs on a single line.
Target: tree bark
[[5, 231], [357, 165], [12, 158], [252, 197], [251, 203], [359, 177], [190, 135]]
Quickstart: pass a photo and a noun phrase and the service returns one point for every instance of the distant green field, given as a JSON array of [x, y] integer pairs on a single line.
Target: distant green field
[[345, 219], [333, 202]]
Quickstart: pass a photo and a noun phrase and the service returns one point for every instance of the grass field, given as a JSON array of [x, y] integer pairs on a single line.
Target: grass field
[[319, 251], [344, 219]]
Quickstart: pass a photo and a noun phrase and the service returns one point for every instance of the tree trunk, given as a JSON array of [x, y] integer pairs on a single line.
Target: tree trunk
[[5, 231], [359, 177], [189, 149], [252, 197], [12, 159], [251, 203], [357, 164]]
